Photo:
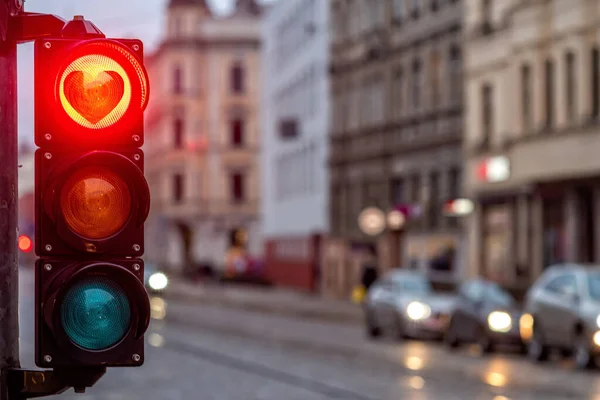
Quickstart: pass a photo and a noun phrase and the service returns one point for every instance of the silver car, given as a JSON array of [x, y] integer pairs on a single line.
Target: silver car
[[563, 312], [404, 304]]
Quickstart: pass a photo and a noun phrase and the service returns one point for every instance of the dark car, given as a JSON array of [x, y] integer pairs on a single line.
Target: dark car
[[563, 309], [484, 314], [404, 304]]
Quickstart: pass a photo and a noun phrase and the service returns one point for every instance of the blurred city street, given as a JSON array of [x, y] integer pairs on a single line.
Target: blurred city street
[[220, 352]]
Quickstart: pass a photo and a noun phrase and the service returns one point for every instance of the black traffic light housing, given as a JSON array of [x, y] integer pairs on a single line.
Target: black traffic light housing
[[92, 200]]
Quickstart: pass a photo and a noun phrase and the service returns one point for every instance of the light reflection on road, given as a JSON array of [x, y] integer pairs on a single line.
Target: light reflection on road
[[158, 308]]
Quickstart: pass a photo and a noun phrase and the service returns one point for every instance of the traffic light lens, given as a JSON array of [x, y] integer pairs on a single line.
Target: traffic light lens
[[95, 91], [96, 202], [96, 314]]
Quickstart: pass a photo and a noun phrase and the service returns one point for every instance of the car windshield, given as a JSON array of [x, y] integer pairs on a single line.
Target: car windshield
[[413, 284], [498, 296], [594, 285]]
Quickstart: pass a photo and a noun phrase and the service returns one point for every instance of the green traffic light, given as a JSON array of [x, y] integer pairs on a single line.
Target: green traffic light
[[95, 313]]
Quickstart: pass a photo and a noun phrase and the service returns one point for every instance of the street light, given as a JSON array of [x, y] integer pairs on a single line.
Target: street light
[[371, 221], [396, 220]]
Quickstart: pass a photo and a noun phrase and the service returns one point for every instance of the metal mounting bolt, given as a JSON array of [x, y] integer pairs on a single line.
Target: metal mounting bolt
[[136, 357], [47, 45], [135, 138], [48, 156], [48, 267], [136, 47], [48, 358], [137, 267], [136, 247], [136, 157], [48, 247], [48, 136]]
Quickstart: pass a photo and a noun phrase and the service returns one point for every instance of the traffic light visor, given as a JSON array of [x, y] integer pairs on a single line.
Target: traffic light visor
[[95, 202], [100, 84], [96, 313]]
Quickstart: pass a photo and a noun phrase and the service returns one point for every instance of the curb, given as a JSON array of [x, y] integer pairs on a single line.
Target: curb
[[273, 308]]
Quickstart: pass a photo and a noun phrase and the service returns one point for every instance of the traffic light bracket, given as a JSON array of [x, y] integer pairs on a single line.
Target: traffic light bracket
[[28, 384]]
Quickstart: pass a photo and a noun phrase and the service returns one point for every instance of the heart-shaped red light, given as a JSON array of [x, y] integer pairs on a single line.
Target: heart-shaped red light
[[94, 97]]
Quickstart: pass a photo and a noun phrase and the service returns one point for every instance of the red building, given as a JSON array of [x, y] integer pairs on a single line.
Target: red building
[[293, 262]]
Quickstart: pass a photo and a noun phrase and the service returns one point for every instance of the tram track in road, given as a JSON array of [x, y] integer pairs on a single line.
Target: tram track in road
[[374, 362], [266, 372]]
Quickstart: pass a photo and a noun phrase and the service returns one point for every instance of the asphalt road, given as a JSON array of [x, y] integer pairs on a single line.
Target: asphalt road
[[208, 352]]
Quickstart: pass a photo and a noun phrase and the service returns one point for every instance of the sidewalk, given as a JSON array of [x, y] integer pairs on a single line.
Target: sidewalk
[[266, 300]]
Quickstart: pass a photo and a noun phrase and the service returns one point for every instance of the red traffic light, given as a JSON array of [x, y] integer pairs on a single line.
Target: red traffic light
[[90, 92], [25, 244]]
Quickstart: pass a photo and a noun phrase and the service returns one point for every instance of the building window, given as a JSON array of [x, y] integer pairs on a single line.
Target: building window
[[237, 78], [549, 101], [487, 113], [434, 199], [237, 187], [415, 8], [486, 17], [435, 78], [415, 188], [571, 89], [526, 114], [178, 188], [455, 183], [398, 10], [178, 80], [398, 93], [397, 191], [434, 5], [595, 78], [455, 74], [178, 133], [416, 84], [237, 132], [454, 192]]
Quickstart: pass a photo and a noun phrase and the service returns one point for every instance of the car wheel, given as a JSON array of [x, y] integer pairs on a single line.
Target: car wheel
[[581, 353], [451, 337], [536, 348], [484, 342], [399, 332], [373, 331]]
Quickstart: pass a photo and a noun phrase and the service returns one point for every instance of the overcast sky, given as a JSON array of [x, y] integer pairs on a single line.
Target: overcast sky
[[141, 19]]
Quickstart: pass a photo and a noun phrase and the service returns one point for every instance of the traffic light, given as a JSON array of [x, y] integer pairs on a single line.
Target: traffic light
[[92, 200]]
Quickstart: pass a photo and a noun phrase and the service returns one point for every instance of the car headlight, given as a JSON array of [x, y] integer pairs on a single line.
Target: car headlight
[[500, 321], [158, 281], [598, 321], [417, 311]]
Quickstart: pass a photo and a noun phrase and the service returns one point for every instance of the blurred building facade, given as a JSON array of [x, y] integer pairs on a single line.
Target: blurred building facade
[[396, 128], [295, 111], [532, 118], [203, 135]]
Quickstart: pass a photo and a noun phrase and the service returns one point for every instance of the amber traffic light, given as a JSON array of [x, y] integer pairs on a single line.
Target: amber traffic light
[[92, 200]]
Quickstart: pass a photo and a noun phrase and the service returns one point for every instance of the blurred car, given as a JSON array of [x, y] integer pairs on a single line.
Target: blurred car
[[155, 281], [484, 314], [404, 304], [563, 312]]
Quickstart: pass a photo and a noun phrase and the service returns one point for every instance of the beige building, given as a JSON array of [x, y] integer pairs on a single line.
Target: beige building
[[203, 135], [532, 145]]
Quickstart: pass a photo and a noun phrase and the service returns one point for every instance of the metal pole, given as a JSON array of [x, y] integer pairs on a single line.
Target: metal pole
[[9, 284]]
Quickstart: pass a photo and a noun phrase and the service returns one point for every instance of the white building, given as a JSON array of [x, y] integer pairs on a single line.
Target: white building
[[295, 116]]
